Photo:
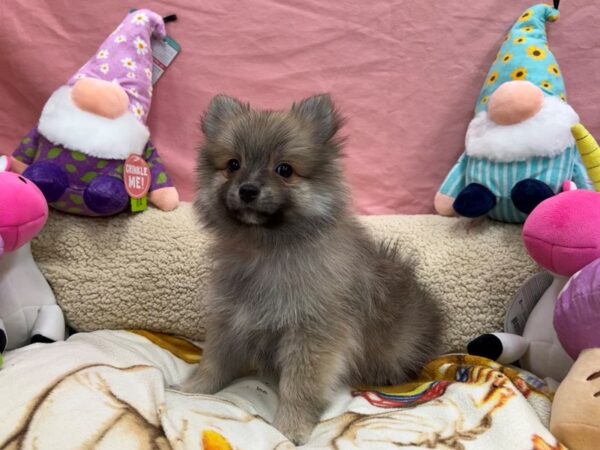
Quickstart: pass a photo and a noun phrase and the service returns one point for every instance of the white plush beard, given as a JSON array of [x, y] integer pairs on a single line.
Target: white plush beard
[[546, 134], [62, 122]]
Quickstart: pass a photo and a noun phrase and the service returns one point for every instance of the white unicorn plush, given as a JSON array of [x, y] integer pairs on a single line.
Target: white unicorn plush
[[28, 309]]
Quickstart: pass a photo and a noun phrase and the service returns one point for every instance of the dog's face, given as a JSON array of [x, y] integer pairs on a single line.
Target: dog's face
[[268, 169]]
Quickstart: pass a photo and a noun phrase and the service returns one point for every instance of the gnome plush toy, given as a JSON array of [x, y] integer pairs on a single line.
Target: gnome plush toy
[[91, 125], [519, 147]]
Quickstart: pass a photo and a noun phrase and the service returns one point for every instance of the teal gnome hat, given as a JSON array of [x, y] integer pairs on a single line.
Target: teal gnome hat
[[525, 55]]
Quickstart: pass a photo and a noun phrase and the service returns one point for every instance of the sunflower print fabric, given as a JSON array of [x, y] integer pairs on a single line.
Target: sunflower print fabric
[[524, 55]]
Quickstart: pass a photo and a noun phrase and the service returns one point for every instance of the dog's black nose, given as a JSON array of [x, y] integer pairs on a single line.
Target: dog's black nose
[[249, 192]]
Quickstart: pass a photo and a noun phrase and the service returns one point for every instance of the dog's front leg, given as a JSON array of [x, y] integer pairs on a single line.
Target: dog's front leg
[[221, 363], [311, 368]]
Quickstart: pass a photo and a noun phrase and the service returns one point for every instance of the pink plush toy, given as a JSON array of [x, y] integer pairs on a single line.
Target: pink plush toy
[[28, 309], [23, 209], [562, 235]]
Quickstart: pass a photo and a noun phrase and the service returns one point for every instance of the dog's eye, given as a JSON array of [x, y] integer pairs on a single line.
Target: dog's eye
[[233, 165], [284, 170]]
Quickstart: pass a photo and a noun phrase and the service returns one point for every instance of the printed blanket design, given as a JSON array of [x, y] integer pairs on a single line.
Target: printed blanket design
[[110, 390]]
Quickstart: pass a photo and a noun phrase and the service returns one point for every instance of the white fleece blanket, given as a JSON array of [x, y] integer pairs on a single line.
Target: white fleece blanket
[[107, 390]]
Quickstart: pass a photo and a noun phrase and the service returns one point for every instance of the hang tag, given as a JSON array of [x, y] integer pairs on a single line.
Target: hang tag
[[137, 178], [139, 204], [163, 53], [524, 301]]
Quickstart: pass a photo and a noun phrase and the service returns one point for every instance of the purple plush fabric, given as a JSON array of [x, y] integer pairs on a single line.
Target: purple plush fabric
[[577, 313], [81, 184]]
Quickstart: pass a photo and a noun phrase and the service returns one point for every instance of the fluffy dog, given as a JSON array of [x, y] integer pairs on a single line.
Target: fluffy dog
[[300, 292]]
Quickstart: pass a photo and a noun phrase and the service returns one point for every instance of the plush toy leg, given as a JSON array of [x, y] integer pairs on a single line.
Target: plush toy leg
[[49, 325], [504, 348], [3, 338], [50, 178], [106, 195], [23, 291], [529, 193], [165, 199], [474, 201]]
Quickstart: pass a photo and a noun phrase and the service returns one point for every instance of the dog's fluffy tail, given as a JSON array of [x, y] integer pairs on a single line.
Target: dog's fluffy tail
[[390, 250]]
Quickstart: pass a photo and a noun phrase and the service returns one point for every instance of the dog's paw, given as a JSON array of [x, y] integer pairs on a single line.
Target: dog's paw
[[296, 429], [198, 385]]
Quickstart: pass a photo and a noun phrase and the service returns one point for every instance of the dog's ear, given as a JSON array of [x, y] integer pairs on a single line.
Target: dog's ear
[[220, 110], [320, 114]]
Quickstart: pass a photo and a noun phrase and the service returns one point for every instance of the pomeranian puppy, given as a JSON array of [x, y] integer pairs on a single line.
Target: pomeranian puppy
[[300, 292]]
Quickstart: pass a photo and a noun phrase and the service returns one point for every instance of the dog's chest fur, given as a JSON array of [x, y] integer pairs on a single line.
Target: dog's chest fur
[[263, 295], [272, 291]]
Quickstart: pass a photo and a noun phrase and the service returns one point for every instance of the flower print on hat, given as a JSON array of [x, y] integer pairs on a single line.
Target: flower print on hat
[[125, 57]]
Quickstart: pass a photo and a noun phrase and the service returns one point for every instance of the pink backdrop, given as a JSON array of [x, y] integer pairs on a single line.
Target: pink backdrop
[[405, 73]]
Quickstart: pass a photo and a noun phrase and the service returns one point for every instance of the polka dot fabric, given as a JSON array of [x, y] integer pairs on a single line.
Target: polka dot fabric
[[525, 55], [81, 170]]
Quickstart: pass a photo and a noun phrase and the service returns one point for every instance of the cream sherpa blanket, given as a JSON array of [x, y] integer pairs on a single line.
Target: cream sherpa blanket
[[106, 390], [150, 270]]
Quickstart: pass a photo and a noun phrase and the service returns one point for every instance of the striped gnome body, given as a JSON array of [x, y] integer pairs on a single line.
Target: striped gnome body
[[519, 149], [501, 177]]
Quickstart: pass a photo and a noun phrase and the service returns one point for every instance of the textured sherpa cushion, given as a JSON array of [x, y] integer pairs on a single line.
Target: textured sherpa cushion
[[150, 270]]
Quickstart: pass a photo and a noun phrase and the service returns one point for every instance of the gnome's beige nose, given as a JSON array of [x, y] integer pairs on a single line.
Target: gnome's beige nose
[[514, 102], [100, 97]]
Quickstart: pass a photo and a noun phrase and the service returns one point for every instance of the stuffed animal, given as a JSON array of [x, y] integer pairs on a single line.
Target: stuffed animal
[[518, 148], [91, 125], [28, 309], [575, 418], [563, 237]]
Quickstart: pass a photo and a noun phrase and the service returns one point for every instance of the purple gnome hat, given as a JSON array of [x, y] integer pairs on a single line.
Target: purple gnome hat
[[125, 57]]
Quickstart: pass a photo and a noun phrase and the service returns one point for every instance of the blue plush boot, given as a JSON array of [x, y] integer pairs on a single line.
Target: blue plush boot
[[474, 201], [529, 193]]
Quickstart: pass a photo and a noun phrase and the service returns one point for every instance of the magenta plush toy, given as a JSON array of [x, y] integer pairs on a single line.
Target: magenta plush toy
[[28, 309]]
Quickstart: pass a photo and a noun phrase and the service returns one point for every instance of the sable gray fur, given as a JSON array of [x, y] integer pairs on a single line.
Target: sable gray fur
[[300, 292]]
